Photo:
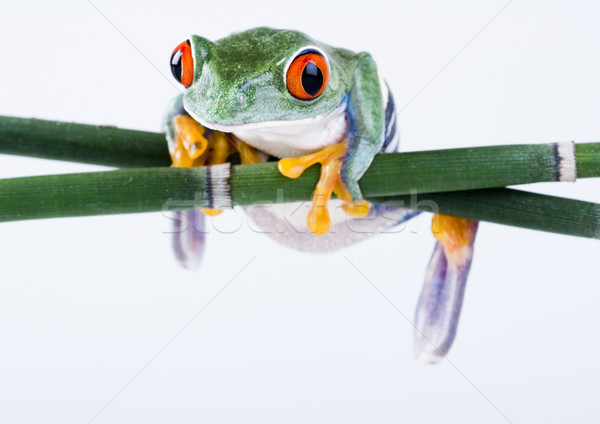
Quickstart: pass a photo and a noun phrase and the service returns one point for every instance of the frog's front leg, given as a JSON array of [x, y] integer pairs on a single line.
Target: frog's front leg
[[194, 146], [189, 144], [331, 160], [343, 164], [440, 303], [186, 142]]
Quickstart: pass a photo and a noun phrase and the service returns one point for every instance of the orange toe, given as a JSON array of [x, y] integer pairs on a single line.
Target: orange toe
[[330, 158]]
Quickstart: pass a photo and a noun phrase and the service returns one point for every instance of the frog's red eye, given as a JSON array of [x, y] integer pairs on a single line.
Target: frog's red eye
[[182, 64], [307, 76]]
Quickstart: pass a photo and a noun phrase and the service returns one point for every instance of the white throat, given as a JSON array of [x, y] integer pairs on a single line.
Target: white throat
[[290, 138]]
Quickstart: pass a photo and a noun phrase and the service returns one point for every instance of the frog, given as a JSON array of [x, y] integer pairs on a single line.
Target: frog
[[275, 94]]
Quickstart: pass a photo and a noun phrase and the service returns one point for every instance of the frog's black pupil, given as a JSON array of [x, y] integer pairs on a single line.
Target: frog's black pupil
[[312, 78], [176, 65]]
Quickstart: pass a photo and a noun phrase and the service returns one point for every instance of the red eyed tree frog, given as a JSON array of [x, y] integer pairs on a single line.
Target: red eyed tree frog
[[268, 93]]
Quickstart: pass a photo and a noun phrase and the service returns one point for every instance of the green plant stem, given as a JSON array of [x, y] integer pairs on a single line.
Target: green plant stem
[[424, 172], [99, 145], [158, 189], [440, 176], [516, 208], [588, 159], [493, 166], [100, 193]]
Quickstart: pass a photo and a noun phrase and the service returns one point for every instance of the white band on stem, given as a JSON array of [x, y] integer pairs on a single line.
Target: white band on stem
[[565, 161], [219, 189]]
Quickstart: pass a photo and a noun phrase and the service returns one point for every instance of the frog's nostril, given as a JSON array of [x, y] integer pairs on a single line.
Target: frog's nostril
[[241, 98]]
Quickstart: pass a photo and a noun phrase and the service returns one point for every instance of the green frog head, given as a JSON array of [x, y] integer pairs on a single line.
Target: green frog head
[[260, 76]]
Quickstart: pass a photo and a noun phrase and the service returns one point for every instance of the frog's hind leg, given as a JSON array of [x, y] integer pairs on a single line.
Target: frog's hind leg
[[440, 303]]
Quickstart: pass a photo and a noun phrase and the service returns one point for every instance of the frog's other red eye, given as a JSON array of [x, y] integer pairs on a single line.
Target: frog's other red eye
[[307, 76], [182, 64]]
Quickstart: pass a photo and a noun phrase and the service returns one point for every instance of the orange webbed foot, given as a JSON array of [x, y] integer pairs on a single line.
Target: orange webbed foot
[[190, 143], [330, 158], [192, 148]]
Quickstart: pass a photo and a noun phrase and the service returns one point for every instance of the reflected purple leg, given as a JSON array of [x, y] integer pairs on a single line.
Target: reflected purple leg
[[189, 237]]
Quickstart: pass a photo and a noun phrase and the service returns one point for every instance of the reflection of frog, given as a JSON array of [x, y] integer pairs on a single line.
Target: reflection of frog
[[267, 92]]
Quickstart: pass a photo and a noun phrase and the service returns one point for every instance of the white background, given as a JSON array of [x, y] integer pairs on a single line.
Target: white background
[[87, 303]]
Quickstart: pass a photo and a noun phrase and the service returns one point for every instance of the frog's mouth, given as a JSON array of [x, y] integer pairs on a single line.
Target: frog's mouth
[[288, 138], [229, 128]]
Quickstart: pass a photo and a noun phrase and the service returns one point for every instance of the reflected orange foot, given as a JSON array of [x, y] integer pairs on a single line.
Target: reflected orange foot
[[330, 158]]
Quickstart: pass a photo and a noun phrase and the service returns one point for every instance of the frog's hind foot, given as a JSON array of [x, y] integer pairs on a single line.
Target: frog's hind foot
[[438, 309], [330, 181]]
